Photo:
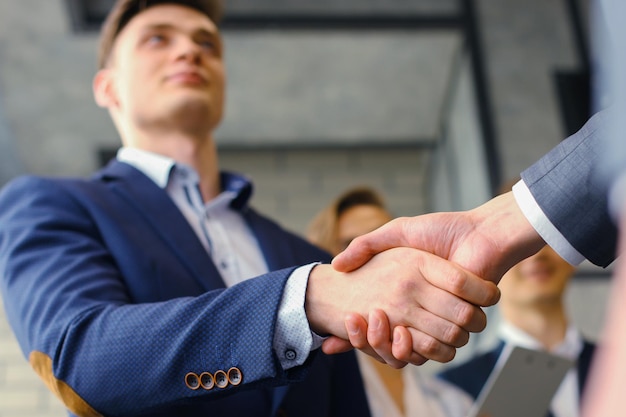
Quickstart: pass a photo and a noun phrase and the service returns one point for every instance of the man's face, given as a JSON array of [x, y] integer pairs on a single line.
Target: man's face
[[166, 65], [540, 279], [356, 221]]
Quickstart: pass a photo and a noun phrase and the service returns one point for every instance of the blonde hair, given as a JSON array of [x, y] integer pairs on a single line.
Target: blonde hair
[[322, 230]]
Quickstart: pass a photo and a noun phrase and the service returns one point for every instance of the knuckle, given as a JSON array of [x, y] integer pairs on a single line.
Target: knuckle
[[456, 281], [433, 349], [358, 241], [428, 346], [405, 287], [464, 314], [456, 336]]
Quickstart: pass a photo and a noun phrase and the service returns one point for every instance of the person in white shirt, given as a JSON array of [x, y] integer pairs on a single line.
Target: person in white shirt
[[534, 316]]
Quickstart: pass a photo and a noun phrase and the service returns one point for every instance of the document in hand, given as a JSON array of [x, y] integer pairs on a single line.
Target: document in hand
[[522, 384]]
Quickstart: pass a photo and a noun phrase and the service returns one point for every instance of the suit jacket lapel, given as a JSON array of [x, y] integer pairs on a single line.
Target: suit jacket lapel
[[278, 253], [154, 205]]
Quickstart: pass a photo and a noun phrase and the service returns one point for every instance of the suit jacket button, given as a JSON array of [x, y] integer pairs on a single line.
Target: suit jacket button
[[192, 381], [221, 380], [290, 354], [234, 376], [207, 381]]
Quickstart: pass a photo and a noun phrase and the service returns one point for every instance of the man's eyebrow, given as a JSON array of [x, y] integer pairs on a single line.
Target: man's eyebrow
[[168, 26], [208, 32], [157, 26]]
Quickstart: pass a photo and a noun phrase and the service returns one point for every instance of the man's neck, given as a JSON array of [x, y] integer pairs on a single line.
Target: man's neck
[[200, 153], [546, 323]]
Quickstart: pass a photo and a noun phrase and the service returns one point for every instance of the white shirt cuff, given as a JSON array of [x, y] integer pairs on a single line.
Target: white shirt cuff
[[293, 338], [543, 226]]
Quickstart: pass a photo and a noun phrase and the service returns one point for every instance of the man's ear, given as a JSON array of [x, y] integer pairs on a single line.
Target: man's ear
[[104, 88]]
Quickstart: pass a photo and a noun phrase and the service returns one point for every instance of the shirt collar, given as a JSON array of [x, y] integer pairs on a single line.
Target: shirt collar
[[240, 186], [159, 168], [570, 347], [154, 166]]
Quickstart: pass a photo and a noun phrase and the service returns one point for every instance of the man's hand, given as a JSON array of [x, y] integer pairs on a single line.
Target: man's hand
[[433, 302], [485, 241]]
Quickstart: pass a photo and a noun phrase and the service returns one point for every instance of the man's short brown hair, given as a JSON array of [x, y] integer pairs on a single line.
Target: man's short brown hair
[[124, 10]]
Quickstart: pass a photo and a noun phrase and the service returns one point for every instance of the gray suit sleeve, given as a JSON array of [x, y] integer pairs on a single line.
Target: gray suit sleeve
[[564, 184]]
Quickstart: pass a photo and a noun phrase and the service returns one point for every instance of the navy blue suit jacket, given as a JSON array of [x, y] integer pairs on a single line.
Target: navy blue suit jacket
[[471, 375], [114, 300]]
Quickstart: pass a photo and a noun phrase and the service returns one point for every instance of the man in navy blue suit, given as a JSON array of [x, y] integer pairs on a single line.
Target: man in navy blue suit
[[153, 288]]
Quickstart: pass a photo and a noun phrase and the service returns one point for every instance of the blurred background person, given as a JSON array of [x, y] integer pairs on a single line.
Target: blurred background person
[[390, 392], [534, 316], [357, 211]]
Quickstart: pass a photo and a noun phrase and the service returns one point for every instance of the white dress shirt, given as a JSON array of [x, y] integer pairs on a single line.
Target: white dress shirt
[[423, 396], [233, 248]]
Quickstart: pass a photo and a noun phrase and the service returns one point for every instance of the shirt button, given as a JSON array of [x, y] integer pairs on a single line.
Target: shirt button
[[290, 354]]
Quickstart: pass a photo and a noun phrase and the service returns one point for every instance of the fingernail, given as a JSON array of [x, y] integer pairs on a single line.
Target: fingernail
[[397, 337], [374, 323], [352, 329]]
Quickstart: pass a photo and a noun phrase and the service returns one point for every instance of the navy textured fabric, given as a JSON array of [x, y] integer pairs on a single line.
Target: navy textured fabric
[[106, 278]]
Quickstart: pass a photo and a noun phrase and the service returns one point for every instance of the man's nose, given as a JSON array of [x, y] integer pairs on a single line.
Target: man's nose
[[188, 49]]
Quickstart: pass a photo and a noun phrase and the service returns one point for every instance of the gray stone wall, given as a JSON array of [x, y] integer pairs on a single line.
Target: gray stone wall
[[293, 185], [525, 42]]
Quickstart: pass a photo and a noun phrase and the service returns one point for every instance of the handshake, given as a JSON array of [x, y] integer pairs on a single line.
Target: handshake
[[414, 289]]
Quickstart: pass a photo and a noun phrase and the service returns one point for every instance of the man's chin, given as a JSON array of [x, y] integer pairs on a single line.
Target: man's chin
[[196, 113]]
